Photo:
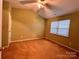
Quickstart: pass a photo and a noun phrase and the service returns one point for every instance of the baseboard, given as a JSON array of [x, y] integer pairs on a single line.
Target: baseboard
[[2, 48], [24, 40], [63, 45], [0, 55], [39, 38], [5, 47]]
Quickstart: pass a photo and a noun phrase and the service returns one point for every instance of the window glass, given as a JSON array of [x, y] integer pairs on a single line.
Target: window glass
[[54, 25], [54, 30], [60, 27], [64, 24], [63, 32]]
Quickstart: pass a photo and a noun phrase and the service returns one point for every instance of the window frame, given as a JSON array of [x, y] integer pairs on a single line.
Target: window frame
[[57, 33]]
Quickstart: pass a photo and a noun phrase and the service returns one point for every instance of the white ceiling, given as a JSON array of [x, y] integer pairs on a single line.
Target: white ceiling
[[59, 7]]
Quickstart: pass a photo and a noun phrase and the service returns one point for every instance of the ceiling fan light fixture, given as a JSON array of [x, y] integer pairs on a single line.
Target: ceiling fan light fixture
[[41, 3]]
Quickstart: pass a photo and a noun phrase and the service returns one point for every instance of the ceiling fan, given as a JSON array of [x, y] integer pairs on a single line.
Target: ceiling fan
[[41, 3], [43, 6], [30, 1]]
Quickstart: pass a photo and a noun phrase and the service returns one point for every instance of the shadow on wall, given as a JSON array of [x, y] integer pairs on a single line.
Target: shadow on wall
[[26, 25]]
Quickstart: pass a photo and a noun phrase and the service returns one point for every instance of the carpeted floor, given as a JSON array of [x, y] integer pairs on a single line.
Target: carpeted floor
[[37, 49]]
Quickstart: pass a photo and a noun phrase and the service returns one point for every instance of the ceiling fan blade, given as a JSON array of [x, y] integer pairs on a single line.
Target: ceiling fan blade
[[51, 7], [30, 1], [27, 1], [47, 5]]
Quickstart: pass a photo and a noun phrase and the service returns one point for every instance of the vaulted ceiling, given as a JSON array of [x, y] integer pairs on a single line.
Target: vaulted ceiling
[[50, 8]]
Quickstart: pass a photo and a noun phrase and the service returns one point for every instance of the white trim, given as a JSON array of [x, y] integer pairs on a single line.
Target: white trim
[[0, 54], [2, 48], [24, 40], [1, 3], [63, 45], [10, 25], [18, 41], [5, 47], [1, 23]]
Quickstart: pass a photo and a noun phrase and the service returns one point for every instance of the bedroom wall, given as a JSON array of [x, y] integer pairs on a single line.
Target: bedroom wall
[[26, 25], [73, 39]]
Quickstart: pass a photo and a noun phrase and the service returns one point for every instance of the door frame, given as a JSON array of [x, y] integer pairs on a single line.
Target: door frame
[[1, 2]]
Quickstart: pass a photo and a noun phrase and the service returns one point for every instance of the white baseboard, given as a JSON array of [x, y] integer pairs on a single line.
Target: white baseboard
[[0, 55], [24, 40], [5, 47], [64, 45], [39, 38], [19, 41]]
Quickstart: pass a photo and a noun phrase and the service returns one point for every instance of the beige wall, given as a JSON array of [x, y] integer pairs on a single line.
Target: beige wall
[[5, 23], [73, 40], [26, 25]]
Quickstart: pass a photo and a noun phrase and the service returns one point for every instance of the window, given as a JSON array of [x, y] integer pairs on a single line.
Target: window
[[60, 27]]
